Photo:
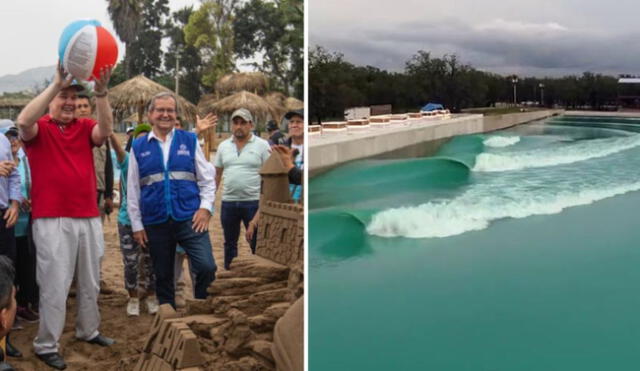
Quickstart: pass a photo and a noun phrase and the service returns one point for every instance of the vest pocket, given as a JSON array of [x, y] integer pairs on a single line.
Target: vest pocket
[[152, 202], [188, 197]]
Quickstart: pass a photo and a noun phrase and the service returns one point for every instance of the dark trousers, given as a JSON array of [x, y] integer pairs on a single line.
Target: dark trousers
[[7, 239], [28, 293], [162, 248], [233, 213]]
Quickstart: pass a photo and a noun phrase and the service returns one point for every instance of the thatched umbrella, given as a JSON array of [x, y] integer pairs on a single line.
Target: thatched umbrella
[[209, 135], [293, 104], [206, 101], [135, 118], [135, 94], [278, 103], [258, 106], [255, 82]]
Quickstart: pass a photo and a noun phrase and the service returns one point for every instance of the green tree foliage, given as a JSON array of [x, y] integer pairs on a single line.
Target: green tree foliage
[[145, 54], [275, 31], [118, 75], [331, 85], [445, 80], [190, 61], [336, 84], [210, 30], [125, 16], [167, 80]]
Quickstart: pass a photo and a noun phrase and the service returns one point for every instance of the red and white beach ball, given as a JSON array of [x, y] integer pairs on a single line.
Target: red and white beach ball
[[85, 47]]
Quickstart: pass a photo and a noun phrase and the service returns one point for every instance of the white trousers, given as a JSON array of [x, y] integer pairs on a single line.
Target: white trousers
[[65, 245]]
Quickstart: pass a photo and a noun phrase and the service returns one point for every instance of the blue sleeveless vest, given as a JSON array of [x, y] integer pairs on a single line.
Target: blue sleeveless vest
[[170, 192]]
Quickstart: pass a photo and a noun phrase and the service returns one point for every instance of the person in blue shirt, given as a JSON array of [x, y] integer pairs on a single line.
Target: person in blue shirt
[[27, 295], [296, 143], [134, 257], [10, 199]]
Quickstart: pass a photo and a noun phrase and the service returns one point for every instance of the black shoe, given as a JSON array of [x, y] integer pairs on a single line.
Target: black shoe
[[102, 340], [54, 360], [27, 315], [13, 351], [4, 366]]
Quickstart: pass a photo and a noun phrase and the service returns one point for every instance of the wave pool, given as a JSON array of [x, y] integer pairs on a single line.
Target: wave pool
[[513, 250]]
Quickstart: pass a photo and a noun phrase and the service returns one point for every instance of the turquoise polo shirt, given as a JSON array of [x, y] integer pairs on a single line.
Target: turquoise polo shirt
[[241, 169], [123, 215]]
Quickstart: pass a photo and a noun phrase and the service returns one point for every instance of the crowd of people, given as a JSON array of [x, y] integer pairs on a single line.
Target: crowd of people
[[57, 185]]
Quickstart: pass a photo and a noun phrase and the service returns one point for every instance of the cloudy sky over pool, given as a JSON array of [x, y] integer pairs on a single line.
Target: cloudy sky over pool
[[540, 38]]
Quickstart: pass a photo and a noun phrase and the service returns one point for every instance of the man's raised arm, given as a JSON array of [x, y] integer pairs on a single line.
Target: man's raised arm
[[27, 118], [105, 117]]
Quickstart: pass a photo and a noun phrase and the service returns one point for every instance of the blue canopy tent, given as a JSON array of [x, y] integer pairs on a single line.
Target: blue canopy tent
[[432, 107]]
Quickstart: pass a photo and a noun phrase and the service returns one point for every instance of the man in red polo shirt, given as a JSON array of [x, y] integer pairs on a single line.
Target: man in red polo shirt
[[66, 220]]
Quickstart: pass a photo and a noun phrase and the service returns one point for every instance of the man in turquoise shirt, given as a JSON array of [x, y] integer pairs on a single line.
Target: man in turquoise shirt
[[239, 158]]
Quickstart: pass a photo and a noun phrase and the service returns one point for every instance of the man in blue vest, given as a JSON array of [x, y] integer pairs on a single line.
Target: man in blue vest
[[170, 194]]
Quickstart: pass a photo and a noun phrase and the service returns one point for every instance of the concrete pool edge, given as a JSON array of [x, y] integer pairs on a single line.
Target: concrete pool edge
[[330, 151]]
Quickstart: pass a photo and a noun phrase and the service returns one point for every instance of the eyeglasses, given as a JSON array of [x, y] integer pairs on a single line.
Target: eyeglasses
[[168, 111], [82, 106]]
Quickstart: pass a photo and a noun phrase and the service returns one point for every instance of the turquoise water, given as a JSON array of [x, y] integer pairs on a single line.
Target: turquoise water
[[516, 250]]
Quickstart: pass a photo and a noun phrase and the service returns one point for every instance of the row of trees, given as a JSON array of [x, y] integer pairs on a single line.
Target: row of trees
[[206, 43], [335, 84]]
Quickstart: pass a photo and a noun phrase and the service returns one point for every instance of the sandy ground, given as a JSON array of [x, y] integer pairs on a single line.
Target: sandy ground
[[129, 332]]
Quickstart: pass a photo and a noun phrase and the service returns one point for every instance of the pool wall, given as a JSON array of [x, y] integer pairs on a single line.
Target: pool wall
[[329, 151]]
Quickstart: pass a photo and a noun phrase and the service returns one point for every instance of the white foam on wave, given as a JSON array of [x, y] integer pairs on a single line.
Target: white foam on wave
[[553, 156], [476, 210], [500, 141]]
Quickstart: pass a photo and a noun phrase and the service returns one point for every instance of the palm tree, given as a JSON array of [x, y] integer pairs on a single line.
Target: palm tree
[[125, 15]]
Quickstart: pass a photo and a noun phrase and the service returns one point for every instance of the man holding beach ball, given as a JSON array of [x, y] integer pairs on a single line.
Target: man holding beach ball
[[66, 220]]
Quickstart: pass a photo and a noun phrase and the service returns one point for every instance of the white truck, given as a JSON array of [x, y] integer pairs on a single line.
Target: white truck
[[357, 113]]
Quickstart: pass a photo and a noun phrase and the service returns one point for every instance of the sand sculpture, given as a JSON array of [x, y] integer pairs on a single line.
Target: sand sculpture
[[233, 329]]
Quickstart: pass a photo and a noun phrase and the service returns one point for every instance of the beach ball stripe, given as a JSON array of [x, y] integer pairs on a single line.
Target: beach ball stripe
[[85, 47]]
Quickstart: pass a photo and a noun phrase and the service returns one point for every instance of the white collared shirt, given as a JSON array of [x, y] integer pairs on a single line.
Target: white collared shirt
[[205, 175]]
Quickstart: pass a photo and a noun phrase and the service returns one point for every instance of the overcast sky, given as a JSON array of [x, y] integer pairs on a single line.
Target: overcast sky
[[539, 37], [30, 29]]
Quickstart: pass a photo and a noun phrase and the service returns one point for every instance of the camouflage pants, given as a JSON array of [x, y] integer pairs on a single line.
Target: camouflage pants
[[138, 271]]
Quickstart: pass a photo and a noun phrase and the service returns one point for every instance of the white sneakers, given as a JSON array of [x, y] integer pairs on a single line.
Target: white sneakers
[[152, 304], [133, 307]]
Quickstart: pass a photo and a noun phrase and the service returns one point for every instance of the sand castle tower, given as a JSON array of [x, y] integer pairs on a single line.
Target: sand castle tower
[[275, 181]]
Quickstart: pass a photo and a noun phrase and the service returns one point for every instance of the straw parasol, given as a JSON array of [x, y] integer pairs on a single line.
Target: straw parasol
[[258, 106], [135, 118], [255, 82], [209, 135], [135, 94], [293, 104], [206, 101], [278, 103]]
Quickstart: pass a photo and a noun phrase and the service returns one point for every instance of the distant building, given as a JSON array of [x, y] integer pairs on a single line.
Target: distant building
[[11, 107], [629, 92]]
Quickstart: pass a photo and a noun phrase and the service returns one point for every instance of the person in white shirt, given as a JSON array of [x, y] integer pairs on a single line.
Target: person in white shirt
[[170, 198]]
